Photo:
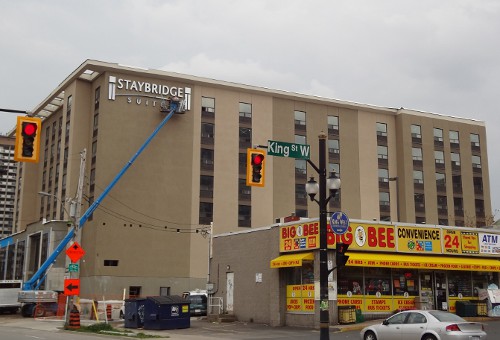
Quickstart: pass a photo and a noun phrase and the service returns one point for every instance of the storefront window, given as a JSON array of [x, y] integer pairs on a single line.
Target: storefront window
[[405, 281], [459, 284], [378, 280], [480, 280], [300, 288], [350, 280]]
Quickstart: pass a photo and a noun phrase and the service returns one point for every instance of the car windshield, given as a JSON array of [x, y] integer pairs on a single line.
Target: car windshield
[[446, 317], [197, 298]]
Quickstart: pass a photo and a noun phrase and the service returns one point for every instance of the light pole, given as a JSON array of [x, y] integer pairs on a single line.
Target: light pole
[[312, 188], [395, 179]]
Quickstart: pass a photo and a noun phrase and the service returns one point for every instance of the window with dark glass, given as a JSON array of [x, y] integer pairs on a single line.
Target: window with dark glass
[[416, 154], [382, 152], [383, 175], [384, 199], [440, 181], [245, 137], [206, 212], [333, 146], [474, 140], [418, 177], [351, 281], [442, 204], [334, 167], [244, 215], [207, 133], [207, 159], [301, 167], [455, 159], [206, 186], [476, 162], [378, 281], [439, 157], [244, 190]]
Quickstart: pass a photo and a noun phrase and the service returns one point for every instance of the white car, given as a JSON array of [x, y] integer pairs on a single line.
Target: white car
[[424, 325]]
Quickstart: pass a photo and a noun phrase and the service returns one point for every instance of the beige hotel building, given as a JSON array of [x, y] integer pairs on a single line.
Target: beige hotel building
[[149, 235]]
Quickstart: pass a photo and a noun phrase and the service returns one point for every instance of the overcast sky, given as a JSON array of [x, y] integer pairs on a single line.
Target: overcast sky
[[440, 56]]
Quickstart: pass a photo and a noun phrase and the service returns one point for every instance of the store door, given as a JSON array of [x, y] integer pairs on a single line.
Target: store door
[[440, 288], [426, 299]]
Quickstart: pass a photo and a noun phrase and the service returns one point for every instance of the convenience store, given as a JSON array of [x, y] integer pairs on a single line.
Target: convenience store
[[391, 267]]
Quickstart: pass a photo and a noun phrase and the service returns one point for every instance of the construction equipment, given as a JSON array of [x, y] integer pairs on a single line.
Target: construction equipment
[[36, 302]]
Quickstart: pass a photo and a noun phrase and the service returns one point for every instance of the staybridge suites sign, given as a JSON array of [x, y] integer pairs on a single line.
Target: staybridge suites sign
[[146, 93]]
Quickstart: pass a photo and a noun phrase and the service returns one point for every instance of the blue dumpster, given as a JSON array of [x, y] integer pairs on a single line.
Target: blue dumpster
[[134, 313], [166, 312]]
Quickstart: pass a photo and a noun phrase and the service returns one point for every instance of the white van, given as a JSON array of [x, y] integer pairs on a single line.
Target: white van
[[9, 291]]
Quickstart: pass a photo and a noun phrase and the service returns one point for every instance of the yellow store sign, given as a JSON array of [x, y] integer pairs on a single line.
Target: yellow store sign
[[419, 240]]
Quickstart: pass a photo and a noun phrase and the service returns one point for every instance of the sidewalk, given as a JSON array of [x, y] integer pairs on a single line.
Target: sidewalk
[[202, 329]]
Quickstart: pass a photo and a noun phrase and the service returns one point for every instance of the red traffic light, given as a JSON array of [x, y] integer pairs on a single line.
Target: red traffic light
[[257, 159], [29, 129]]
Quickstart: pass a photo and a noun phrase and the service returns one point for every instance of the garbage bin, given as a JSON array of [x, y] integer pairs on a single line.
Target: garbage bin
[[347, 314], [166, 312], [134, 313], [465, 308], [359, 316]]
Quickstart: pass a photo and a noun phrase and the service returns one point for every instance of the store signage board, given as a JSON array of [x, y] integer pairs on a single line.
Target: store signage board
[[291, 150], [339, 223], [75, 252]]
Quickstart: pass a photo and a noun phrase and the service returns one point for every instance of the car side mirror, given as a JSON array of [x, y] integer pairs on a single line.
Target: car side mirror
[[385, 322]]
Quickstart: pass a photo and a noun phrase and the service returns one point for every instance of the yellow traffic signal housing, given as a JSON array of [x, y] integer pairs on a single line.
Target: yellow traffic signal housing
[[256, 167], [28, 131]]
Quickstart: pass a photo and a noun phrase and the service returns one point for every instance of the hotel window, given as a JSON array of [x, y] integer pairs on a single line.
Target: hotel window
[[440, 181], [455, 159], [334, 167], [476, 162], [207, 133], [416, 154], [206, 212], [207, 104], [333, 146], [382, 152], [381, 129], [454, 137], [478, 185], [300, 167], [244, 215], [70, 103], [299, 139], [206, 186], [438, 135], [384, 199], [94, 152], [97, 97], [383, 175], [474, 140], [416, 131], [439, 157], [300, 120], [244, 191], [418, 177], [300, 194], [245, 111], [207, 159], [442, 205], [245, 138], [419, 202], [333, 125]]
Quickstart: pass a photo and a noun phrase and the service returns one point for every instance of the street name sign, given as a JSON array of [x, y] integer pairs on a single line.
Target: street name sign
[[291, 150], [75, 252], [339, 223], [71, 287]]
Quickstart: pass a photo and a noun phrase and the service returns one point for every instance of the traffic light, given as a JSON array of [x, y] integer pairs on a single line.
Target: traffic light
[[341, 257], [256, 166], [27, 148]]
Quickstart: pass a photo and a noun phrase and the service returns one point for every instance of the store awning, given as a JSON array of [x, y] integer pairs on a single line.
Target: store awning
[[423, 262], [291, 260]]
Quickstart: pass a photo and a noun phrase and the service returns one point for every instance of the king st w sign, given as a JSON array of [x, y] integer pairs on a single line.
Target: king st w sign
[[292, 150]]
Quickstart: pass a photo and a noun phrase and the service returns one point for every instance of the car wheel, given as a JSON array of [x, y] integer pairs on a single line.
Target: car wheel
[[428, 337], [370, 336], [39, 311]]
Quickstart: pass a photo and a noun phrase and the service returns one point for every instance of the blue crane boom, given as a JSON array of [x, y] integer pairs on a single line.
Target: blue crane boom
[[36, 280]]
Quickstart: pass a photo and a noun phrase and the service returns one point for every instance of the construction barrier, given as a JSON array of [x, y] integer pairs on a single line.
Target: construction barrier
[[109, 317], [74, 318]]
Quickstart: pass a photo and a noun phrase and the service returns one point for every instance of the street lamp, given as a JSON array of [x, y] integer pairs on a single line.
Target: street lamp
[[312, 188], [395, 179]]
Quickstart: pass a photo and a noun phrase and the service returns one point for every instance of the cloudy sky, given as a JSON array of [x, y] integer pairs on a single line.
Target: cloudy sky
[[435, 56]]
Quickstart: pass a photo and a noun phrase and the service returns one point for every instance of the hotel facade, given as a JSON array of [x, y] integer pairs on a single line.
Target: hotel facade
[[151, 234]]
